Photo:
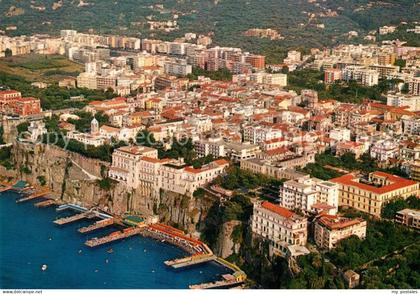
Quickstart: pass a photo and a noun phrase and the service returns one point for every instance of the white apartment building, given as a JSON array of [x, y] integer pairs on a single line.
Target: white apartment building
[[340, 134], [277, 79], [202, 124], [411, 126], [383, 150], [87, 80], [259, 134], [401, 100], [211, 146], [241, 151], [414, 86], [329, 230], [285, 230], [177, 67], [309, 194], [293, 56], [361, 75]]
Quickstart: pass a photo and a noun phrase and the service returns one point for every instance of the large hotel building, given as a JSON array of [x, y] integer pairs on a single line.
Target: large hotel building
[[370, 194], [286, 231]]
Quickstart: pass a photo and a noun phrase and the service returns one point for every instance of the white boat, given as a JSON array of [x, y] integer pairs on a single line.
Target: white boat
[[44, 267]]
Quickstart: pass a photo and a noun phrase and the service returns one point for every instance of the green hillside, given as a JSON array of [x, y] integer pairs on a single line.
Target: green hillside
[[298, 21]]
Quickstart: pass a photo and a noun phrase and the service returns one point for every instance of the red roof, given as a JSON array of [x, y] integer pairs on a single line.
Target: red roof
[[277, 209], [336, 223], [277, 151], [396, 183], [9, 92], [221, 161]]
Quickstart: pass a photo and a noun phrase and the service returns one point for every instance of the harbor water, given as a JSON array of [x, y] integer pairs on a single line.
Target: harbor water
[[29, 239]]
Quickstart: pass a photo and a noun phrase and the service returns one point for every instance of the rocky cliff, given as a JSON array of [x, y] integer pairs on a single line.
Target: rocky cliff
[[76, 179]]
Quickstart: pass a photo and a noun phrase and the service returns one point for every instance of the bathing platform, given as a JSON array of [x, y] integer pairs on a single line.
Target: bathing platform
[[113, 237], [34, 195], [74, 218], [190, 260], [97, 225], [45, 203]]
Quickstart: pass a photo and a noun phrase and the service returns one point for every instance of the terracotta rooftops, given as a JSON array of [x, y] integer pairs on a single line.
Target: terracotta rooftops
[[337, 223], [395, 182], [277, 209]]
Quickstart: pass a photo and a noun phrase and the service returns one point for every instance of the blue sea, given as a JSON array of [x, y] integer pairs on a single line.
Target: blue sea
[[29, 239]]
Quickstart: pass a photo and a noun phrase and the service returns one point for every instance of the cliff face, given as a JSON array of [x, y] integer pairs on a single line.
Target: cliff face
[[226, 244], [74, 178]]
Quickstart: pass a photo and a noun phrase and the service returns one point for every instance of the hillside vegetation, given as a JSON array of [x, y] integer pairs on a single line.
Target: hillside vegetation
[[298, 21]]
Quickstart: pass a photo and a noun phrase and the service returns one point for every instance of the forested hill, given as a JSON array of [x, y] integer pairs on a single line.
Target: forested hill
[[302, 23]]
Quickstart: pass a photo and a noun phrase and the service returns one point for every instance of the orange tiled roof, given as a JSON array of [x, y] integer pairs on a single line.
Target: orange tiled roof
[[397, 183], [277, 209]]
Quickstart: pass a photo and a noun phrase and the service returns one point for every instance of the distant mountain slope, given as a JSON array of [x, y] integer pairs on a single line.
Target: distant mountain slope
[[300, 22]]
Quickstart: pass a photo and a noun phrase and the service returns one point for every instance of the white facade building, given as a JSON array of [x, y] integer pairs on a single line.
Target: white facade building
[[401, 100], [286, 231], [309, 194], [361, 75], [383, 150]]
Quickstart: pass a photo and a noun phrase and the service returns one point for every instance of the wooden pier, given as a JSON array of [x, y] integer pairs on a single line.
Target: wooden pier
[[98, 225], [113, 237], [34, 195], [45, 203], [74, 218], [190, 260]]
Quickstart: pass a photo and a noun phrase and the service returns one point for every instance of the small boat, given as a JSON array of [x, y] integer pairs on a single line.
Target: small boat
[[96, 270], [144, 250], [80, 251], [110, 250], [50, 238], [44, 267], [106, 260]]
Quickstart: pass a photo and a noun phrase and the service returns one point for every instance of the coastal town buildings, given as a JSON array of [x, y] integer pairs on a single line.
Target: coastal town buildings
[[371, 193], [286, 231], [409, 218], [329, 230], [309, 195]]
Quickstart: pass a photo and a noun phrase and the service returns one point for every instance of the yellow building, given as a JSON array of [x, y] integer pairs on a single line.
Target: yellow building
[[369, 195]]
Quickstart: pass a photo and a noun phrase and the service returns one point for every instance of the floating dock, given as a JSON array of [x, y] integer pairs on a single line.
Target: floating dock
[[34, 195], [74, 218], [45, 203], [113, 237], [190, 260], [98, 225]]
